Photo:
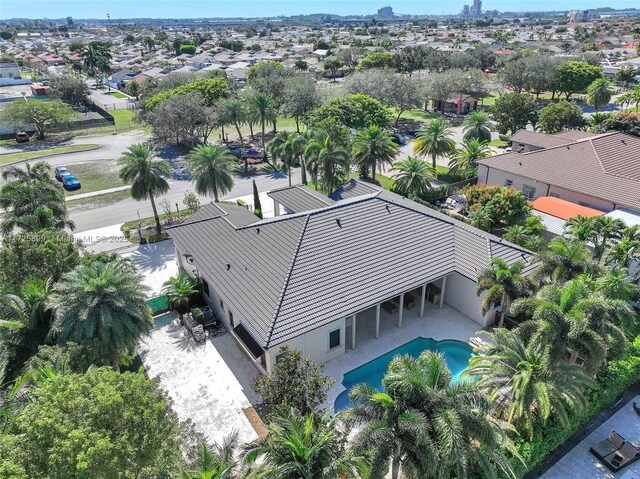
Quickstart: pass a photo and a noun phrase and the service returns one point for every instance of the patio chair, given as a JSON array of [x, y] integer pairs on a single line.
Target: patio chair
[[390, 307], [608, 446], [409, 300], [623, 457]]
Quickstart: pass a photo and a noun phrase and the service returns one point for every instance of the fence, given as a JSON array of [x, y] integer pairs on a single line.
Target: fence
[[159, 304], [454, 188]]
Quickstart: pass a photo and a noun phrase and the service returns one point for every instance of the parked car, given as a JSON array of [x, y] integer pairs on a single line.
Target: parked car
[[69, 181], [22, 137], [398, 139]]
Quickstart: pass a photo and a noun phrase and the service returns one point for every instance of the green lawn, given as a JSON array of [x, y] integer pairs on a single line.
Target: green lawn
[[119, 95], [95, 176], [497, 143], [98, 201], [419, 114], [8, 158]]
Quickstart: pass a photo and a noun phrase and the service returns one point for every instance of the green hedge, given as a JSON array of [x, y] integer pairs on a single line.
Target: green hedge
[[159, 304], [615, 377]]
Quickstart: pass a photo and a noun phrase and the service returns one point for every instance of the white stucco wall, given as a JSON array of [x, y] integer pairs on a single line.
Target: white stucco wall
[[460, 294], [314, 344]]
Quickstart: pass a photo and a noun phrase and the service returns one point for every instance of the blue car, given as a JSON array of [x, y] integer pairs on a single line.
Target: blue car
[[69, 181]]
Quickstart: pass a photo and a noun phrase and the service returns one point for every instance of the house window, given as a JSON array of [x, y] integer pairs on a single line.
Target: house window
[[334, 339], [205, 287], [529, 192], [231, 319], [582, 203], [508, 182], [278, 357], [555, 195]]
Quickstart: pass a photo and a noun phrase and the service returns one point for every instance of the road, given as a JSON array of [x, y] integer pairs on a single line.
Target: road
[[128, 209]]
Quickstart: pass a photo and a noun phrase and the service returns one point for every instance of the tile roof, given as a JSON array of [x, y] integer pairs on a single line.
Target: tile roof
[[606, 166], [563, 209], [540, 140], [300, 198], [288, 275], [352, 189]]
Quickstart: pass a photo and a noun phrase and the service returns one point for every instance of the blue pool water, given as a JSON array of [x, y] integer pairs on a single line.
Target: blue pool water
[[456, 353]]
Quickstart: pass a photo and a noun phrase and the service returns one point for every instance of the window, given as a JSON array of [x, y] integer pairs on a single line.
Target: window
[[205, 287], [508, 182], [582, 203], [334, 339], [529, 192], [231, 319], [555, 195], [278, 357]]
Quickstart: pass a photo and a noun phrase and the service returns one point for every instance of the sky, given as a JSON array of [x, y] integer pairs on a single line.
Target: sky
[[262, 8]]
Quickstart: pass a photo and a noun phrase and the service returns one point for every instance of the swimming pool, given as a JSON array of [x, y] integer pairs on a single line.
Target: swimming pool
[[456, 353]]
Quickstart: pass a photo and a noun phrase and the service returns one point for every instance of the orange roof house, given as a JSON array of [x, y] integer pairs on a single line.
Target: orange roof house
[[563, 209]]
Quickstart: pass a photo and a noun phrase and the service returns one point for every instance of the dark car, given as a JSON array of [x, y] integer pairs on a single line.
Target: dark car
[[398, 139], [60, 171], [22, 137]]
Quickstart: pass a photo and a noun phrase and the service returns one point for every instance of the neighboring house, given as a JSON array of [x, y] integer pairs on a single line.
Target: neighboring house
[[302, 279], [463, 103], [555, 212], [118, 79], [10, 75], [598, 171], [524, 141]]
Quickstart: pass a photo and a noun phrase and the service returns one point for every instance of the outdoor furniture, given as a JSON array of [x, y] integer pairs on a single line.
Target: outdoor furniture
[[615, 453], [608, 446], [196, 330], [390, 307], [409, 300]]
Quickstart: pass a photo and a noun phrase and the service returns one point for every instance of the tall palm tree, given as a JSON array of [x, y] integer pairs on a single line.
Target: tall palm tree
[[32, 199], [570, 319], [282, 147], [96, 55], [212, 169], [262, 110], [139, 166], [599, 93], [503, 284], [299, 446], [413, 177], [103, 305], [564, 260], [219, 463], [427, 425], [434, 141], [465, 160], [478, 126], [373, 147], [180, 290], [617, 284], [523, 384], [235, 113], [328, 159]]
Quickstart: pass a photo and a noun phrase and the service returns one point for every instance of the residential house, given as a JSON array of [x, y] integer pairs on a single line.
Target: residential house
[[456, 104], [303, 279], [10, 74]]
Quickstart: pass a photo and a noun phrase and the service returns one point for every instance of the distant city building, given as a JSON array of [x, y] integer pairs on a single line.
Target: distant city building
[[473, 11], [385, 12], [579, 15]]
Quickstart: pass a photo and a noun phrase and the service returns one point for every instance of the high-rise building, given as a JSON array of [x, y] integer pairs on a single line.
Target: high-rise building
[[476, 8], [385, 12]]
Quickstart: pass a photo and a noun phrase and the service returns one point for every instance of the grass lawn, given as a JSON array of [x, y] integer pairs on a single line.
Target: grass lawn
[[98, 201], [497, 143], [95, 176], [8, 158], [419, 114], [119, 95], [489, 99], [443, 175], [384, 181]]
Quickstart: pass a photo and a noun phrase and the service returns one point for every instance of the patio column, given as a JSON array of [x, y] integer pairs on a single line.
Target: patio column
[[444, 286], [276, 208], [401, 310], [377, 320], [422, 298], [353, 332]]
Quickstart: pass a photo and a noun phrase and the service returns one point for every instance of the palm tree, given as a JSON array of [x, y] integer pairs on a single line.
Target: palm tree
[[503, 284], [218, 463], [180, 291], [427, 425], [564, 260], [478, 126], [372, 148], [622, 253], [599, 93], [624, 100], [301, 66], [282, 146], [481, 219], [262, 110], [523, 384], [414, 176], [96, 55], [234, 112], [299, 446], [434, 141], [212, 169], [571, 319], [580, 228], [617, 284], [139, 167], [465, 160], [32, 199], [103, 305], [327, 159]]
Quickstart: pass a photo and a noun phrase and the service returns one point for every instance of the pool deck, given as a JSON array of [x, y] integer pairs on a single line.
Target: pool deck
[[439, 324]]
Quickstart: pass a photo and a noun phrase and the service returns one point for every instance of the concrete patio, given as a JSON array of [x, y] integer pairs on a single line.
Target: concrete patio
[[580, 463], [210, 384], [156, 263], [439, 324]]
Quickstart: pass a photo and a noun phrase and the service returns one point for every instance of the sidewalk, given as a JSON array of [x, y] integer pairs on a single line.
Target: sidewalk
[[97, 193]]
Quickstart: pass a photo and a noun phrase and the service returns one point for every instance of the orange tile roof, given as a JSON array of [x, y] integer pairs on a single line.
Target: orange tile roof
[[563, 209]]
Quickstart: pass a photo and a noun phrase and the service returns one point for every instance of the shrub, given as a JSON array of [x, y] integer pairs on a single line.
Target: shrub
[[211, 89], [198, 315], [188, 49]]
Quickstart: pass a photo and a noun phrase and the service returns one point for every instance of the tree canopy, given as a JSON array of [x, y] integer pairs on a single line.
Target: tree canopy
[[211, 89], [354, 110]]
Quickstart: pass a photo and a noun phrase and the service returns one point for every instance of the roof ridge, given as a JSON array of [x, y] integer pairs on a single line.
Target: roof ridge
[[286, 282]]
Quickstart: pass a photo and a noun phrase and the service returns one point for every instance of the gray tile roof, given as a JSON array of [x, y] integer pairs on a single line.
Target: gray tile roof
[[300, 198], [606, 166], [288, 275], [540, 140], [352, 189]]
